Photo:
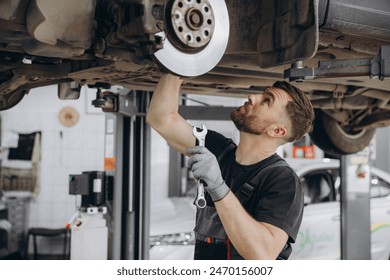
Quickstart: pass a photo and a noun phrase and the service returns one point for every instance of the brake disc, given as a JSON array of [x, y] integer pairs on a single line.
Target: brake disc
[[196, 36]]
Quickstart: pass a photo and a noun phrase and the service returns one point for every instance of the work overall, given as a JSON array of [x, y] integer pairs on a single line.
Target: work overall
[[209, 227]]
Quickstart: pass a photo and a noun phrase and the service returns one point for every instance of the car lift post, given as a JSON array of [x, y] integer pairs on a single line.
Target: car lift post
[[127, 159], [355, 206]]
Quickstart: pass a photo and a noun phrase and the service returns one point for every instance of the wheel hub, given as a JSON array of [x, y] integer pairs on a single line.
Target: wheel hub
[[192, 23], [195, 37]]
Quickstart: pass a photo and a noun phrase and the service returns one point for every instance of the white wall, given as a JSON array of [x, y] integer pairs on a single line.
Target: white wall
[[64, 150]]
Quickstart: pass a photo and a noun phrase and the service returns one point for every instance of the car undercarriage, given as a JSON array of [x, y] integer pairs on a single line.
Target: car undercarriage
[[336, 51]]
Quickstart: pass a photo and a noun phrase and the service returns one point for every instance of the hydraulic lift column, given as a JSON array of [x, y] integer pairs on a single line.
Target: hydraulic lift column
[[127, 159], [355, 206]]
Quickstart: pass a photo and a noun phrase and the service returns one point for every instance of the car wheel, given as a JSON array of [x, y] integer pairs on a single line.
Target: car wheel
[[195, 37], [335, 140]]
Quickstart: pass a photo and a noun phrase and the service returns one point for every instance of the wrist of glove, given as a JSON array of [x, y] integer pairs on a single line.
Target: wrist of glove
[[205, 167], [217, 192]]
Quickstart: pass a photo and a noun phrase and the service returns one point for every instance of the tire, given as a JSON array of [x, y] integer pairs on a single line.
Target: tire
[[329, 136], [11, 99]]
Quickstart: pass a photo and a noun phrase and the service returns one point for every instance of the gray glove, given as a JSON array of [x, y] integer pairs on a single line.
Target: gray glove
[[205, 167]]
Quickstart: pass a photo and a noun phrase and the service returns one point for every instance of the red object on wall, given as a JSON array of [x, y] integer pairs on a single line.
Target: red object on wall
[[304, 152]]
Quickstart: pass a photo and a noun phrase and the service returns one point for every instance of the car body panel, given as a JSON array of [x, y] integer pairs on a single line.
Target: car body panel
[[319, 235]]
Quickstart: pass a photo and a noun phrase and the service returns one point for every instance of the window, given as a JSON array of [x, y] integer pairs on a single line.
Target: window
[[318, 187], [379, 187]]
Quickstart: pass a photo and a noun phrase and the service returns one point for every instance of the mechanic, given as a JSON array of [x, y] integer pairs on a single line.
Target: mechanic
[[255, 222]]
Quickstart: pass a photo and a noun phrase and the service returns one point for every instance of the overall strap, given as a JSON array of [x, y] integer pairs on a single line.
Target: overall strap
[[246, 190], [229, 147]]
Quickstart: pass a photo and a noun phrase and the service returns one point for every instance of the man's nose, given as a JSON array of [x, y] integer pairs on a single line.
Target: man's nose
[[253, 98]]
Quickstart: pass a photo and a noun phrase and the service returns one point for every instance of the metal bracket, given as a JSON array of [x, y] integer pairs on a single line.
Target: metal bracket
[[111, 102], [69, 91], [377, 67], [106, 100]]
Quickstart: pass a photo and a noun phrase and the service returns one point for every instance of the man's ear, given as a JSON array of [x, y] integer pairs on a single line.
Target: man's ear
[[277, 131]]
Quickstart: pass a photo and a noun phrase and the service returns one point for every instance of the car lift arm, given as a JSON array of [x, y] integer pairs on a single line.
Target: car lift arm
[[377, 67]]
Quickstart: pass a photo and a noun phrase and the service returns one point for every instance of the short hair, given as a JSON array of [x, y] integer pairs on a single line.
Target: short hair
[[300, 111]]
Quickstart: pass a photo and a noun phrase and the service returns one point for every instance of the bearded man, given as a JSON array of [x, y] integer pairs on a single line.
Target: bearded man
[[254, 198]]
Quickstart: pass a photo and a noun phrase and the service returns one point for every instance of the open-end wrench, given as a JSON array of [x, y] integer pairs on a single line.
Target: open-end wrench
[[200, 134]]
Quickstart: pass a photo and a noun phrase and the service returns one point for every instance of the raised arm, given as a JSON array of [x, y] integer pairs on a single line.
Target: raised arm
[[163, 114]]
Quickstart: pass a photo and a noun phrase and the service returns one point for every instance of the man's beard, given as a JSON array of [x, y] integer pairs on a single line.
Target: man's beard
[[249, 124]]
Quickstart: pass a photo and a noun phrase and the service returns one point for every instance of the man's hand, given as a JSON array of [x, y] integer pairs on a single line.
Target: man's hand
[[205, 167]]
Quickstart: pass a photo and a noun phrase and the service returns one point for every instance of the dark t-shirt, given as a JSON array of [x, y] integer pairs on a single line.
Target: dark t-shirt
[[277, 199]]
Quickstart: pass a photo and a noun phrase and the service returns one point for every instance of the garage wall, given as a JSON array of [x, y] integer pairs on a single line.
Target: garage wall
[[64, 150]]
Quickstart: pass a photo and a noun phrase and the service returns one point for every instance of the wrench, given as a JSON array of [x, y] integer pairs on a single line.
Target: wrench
[[200, 134]]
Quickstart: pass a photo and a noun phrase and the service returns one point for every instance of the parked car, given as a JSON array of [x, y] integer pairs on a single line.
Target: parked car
[[319, 235], [225, 47]]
